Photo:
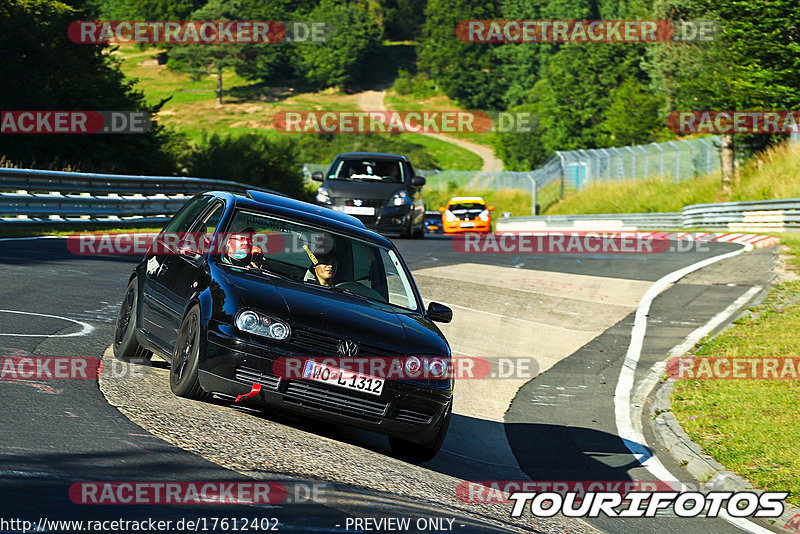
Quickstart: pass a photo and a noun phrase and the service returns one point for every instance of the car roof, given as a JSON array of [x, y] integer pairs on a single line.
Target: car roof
[[467, 199], [382, 155], [303, 212]]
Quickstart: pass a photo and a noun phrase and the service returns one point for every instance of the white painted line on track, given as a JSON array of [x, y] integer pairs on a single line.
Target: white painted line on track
[[632, 437], [86, 328], [514, 318]]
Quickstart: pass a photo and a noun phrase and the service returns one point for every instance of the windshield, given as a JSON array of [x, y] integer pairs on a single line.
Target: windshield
[[310, 255], [368, 169], [466, 208]]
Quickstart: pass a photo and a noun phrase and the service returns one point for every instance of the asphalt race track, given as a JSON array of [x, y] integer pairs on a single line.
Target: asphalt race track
[[562, 322]]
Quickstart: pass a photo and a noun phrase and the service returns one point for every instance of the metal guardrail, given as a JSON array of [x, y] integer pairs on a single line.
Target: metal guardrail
[[81, 182], [611, 221], [87, 197], [760, 215], [783, 214]]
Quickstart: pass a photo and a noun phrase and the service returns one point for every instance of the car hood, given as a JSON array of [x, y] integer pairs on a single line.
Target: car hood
[[362, 189], [312, 307]]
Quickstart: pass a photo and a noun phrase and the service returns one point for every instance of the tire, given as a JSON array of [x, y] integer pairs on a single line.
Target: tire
[[425, 452], [183, 372], [126, 347]]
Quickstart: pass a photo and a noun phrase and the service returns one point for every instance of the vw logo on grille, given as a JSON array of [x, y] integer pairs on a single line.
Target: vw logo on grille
[[348, 348], [358, 202]]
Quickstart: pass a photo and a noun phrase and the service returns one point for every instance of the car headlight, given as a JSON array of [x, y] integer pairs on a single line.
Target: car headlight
[[413, 367], [435, 367], [323, 195], [484, 216], [431, 367], [450, 216], [400, 198], [262, 325]]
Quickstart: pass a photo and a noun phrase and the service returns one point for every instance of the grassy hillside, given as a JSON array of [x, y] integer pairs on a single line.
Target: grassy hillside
[[250, 106], [776, 174]]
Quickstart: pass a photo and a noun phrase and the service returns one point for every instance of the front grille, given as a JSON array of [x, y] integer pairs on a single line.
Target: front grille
[[413, 416], [249, 376], [326, 343], [321, 398]]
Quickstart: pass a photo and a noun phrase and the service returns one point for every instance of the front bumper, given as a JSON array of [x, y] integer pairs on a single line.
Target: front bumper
[[404, 409], [385, 219], [459, 227]]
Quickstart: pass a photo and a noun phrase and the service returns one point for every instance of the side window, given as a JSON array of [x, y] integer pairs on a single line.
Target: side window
[[400, 292], [362, 263], [208, 224], [182, 221]]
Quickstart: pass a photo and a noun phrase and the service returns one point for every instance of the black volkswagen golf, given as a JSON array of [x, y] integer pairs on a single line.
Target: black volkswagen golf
[[256, 296]]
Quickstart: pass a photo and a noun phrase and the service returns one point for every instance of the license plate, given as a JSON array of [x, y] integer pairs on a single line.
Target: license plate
[[342, 378], [467, 224], [359, 210]]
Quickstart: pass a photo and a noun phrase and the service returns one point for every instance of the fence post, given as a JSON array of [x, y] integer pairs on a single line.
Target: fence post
[[691, 156], [646, 157], [677, 159], [660, 159], [708, 154], [633, 162], [563, 171], [533, 194]]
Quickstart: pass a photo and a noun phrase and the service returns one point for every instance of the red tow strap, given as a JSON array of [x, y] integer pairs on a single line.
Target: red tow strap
[[253, 392]]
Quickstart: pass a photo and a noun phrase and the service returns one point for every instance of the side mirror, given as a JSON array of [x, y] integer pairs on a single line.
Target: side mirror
[[439, 313], [418, 181], [491, 208], [317, 176], [441, 210]]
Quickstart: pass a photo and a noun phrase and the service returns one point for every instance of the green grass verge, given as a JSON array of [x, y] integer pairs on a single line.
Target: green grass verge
[[437, 102], [751, 426], [447, 155], [773, 175]]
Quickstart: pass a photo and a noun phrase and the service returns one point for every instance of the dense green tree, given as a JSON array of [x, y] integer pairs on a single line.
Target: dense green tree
[[464, 71], [576, 93], [633, 115], [146, 9], [403, 19], [199, 60], [751, 64], [339, 61], [253, 158], [521, 151], [43, 70]]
